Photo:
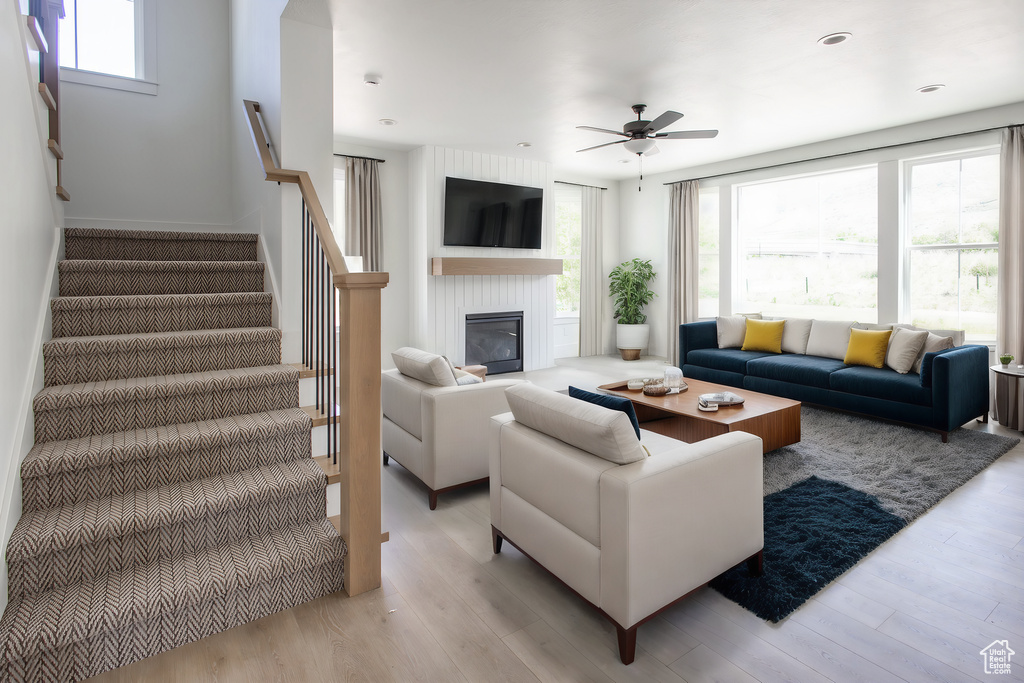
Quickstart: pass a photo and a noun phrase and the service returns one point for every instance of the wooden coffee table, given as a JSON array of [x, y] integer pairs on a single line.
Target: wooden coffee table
[[776, 420]]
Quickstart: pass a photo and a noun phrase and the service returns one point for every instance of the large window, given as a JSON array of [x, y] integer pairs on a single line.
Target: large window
[[952, 238], [110, 43], [569, 234], [708, 253], [808, 246]]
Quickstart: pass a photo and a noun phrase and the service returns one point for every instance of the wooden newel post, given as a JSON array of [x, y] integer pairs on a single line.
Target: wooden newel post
[[359, 418]]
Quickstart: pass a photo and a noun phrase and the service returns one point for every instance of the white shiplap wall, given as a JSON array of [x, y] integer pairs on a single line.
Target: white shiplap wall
[[440, 303]]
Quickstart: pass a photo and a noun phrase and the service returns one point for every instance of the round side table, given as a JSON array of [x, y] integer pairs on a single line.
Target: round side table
[[1008, 403]]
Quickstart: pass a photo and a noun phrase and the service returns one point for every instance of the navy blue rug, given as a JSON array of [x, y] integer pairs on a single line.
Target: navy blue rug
[[813, 531]]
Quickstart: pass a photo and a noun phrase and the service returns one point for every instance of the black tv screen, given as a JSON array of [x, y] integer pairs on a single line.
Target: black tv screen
[[482, 214]]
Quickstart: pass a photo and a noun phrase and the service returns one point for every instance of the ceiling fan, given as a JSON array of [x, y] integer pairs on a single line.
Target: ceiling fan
[[640, 135]]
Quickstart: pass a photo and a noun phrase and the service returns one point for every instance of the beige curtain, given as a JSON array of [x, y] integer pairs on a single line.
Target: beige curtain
[[363, 212], [683, 264], [592, 283], [1010, 320]]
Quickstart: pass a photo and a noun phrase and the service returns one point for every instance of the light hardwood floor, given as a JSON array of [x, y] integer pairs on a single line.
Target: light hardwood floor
[[919, 608]]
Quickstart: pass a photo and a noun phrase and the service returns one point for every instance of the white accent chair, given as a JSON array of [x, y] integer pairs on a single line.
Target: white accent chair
[[435, 427], [574, 490]]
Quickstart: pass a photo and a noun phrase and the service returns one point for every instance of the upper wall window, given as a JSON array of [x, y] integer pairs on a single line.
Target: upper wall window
[[110, 43], [952, 240], [808, 246]]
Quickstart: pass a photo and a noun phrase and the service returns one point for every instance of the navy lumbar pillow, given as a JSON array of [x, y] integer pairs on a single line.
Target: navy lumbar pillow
[[612, 402]]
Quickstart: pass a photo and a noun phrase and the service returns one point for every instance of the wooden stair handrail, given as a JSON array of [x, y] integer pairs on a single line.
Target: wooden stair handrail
[[358, 297], [282, 175]]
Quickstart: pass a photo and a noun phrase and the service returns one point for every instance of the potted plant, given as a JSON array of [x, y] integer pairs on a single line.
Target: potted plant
[[1006, 359], [627, 284]]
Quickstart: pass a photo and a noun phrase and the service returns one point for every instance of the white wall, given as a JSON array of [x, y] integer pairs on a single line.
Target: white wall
[[161, 158], [395, 298], [29, 231], [439, 304], [644, 219]]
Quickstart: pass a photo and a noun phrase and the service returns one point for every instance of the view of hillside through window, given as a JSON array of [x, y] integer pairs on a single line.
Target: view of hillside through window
[[953, 238], [808, 247], [707, 277], [99, 36]]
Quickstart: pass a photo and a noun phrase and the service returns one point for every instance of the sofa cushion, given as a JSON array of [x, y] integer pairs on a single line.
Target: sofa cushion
[[602, 432], [608, 401], [764, 335], [957, 335], [812, 371], [867, 347], [731, 330], [881, 383], [904, 346], [932, 344], [829, 338], [730, 360], [794, 336], [424, 366]]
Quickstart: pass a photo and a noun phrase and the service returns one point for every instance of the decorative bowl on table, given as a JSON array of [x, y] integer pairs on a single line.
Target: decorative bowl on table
[[655, 387]]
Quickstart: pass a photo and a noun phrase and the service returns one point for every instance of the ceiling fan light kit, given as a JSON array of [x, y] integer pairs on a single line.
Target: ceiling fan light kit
[[639, 136]]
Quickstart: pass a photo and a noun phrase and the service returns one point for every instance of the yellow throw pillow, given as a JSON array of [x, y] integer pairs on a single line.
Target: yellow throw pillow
[[764, 335], [867, 347]]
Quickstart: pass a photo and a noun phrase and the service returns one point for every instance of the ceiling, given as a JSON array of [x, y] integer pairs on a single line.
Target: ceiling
[[485, 75]]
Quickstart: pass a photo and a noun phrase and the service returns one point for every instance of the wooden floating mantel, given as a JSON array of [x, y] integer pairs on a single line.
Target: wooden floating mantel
[[440, 265]]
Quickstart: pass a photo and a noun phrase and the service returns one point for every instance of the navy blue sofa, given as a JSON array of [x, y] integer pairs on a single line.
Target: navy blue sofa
[[951, 389]]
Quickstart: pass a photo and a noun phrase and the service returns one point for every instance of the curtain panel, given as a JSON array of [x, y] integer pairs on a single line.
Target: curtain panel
[[683, 262], [593, 291], [363, 212], [1010, 318]]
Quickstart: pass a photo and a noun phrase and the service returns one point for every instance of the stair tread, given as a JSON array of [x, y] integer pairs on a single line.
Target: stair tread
[[61, 528], [157, 300], [67, 346], [107, 233], [51, 457], [55, 618], [65, 396], [93, 265]]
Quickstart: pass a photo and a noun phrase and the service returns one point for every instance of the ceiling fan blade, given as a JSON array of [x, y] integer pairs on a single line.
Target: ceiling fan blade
[[666, 119], [617, 142], [686, 134], [603, 130]]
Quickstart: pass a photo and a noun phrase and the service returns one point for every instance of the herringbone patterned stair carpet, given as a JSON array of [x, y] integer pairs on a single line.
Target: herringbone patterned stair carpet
[[171, 493]]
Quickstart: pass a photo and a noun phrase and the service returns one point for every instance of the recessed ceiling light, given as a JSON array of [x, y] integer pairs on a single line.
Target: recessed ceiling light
[[524, 144], [625, 161], [387, 122], [931, 88], [372, 80], [835, 38]]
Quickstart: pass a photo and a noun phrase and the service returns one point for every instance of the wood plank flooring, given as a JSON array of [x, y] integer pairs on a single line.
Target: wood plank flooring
[[919, 608]]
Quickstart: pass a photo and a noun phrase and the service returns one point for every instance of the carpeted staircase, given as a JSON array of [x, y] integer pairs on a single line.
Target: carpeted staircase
[[171, 492]]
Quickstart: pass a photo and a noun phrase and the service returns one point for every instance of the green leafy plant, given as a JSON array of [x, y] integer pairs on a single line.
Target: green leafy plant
[[627, 284]]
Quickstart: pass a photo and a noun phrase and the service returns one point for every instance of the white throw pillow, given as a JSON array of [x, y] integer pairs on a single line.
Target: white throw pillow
[[933, 343], [956, 335], [462, 378], [592, 428], [829, 338], [904, 347], [424, 366], [731, 331], [795, 334]]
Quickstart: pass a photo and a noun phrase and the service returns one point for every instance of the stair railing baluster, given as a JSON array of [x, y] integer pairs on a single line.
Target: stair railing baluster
[[305, 288]]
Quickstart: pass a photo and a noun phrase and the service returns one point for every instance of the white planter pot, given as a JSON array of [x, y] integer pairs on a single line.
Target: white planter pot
[[632, 338]]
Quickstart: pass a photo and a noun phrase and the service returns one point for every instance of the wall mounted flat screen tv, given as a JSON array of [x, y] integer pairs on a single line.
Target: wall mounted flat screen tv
[[482, 214]]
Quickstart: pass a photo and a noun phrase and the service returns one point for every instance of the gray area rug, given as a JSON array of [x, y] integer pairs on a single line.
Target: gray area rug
[[908, 470]]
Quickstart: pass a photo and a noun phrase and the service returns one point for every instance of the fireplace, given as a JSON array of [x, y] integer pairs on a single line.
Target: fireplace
[[495, 340]]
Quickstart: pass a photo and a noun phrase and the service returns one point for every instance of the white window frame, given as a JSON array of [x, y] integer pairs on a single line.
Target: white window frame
[[906, 170], [145, 81]]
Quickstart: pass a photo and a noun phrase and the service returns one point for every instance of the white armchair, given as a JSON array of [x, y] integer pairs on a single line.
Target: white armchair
[[573, 489], [434, 427]]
